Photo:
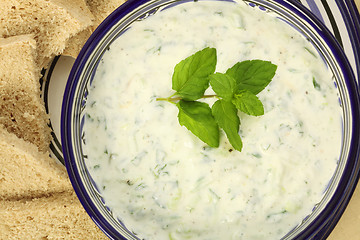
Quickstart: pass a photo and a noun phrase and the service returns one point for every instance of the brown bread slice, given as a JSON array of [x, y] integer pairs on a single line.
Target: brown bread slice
[[60, 216], [22, 111], [75, 43], [27, 173], [52, 22], [100, 10]]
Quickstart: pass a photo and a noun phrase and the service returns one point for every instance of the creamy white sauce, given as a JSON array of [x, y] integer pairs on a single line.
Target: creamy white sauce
[[163, 182]]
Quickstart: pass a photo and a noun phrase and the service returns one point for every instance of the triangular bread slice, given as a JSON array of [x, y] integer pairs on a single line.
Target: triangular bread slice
[[75, 43], [100, 10], [59, 216], [27, 173], [52, 22], [22, 111]]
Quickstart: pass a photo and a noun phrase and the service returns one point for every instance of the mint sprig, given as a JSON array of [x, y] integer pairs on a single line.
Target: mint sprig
[[236, 89]]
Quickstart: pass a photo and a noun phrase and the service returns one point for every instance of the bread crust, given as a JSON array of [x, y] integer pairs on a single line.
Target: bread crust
[[52, 22], [25, 172], [100, 9], [59, 216], [37, 200], [22, 110]]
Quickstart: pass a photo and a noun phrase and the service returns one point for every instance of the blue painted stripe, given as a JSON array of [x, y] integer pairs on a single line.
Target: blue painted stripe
[[351, 17], [314, 9]]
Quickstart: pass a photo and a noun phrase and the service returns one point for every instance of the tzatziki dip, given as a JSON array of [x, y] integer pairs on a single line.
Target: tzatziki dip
[[160, 180]]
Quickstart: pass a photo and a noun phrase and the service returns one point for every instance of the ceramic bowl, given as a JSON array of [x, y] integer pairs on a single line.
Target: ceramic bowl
[[325, 214]]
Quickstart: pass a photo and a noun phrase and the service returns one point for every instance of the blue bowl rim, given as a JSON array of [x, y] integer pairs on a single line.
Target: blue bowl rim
[[322, 225]]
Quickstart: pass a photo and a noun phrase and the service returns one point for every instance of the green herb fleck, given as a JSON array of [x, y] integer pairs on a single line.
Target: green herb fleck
[[311, 52], [316, 84], [257, 155], [214, 194]]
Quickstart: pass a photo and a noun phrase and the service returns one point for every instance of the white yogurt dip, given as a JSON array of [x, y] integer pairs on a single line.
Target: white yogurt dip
[[164, 183]]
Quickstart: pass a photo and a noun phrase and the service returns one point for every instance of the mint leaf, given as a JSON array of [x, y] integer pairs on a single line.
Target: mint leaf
[[252, 75], [191, 76], [223, 85], [248, 103], [225, 114], [197, 118]]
